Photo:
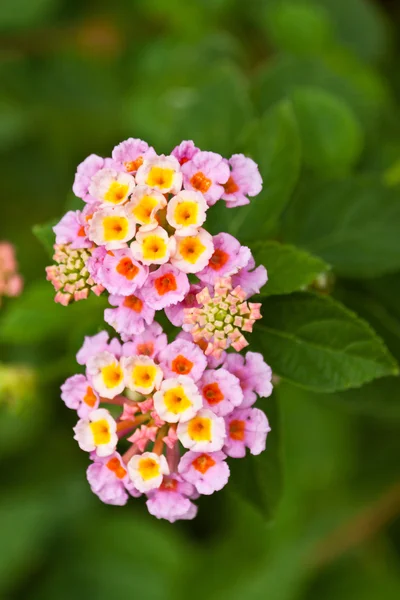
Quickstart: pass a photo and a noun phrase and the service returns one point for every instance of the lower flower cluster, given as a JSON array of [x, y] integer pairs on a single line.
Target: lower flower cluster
[[161, 419]]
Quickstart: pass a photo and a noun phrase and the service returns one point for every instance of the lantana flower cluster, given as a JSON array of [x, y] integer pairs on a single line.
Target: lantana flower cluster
[[161, 419], [141, 238], [11, 282]]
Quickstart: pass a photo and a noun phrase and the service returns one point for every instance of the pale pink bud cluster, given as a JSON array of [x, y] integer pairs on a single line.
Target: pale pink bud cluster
[[70, 276], [10, 281], [221, 318]]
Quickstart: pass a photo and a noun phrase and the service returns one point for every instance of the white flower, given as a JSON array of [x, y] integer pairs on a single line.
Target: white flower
[[203, 433], [186, 212], [97, 433], [162, 173], [147, 471], [142, 374], [107, 374], [193, 252], [112, 227], [111, 187], [178, 399], [153, 247], [144, 205]]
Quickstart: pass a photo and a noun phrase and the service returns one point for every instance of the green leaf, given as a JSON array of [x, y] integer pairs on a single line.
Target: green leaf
[[352, 224], [317, 343], [376, 301], [108, 565], [274, 144], [359, 25], [46, 235], [31, 518], [299, 27], [331, 136], [218, 111], [379, 399], [180, 96], [289, 269], [22, 13], [337, 72]]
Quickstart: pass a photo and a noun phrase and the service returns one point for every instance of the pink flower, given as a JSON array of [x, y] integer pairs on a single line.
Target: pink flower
[[142, 436], [253, 373], [128, 413], [149, 343], [185, 151], [228, 258], [244, 180], [130, 154], [79, 395], [206, 172], [171, 438], [117, 270], [221, 391], [94, 344], [109, 480], [175, 313], [146, 405], [251, 279], [85, 172], [208, 472], [164, 287], [170, 501], [182, 357], [71, 230], [131, 315], [246, 427], [212, 361], [11, 282], [8, 264]]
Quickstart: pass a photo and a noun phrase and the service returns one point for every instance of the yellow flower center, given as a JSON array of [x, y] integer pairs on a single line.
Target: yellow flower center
[[112, 375], [116, 192], [160, 178], [115, 228], [154, 247], [149, 468], [191, 249], [101, 432], [143, 210], [199, 429], [186, 213], [143, 375], [176, 400]]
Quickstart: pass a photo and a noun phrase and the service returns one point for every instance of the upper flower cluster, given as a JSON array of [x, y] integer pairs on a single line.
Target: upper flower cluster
[[142, 234], [165, 396], [10, 281]]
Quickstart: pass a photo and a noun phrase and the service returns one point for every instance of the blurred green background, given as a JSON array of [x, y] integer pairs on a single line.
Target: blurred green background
[[317, 514]]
